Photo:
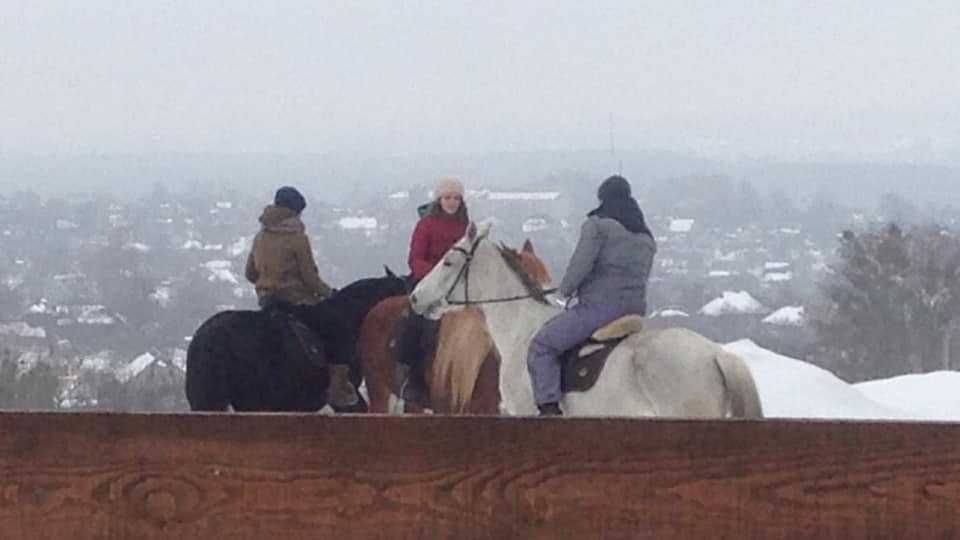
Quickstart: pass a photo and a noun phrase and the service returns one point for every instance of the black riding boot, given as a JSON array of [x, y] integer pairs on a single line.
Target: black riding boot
[[550, 409], [410, 358]]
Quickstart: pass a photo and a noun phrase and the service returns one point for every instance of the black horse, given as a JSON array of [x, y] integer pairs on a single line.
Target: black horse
[[258, 361]]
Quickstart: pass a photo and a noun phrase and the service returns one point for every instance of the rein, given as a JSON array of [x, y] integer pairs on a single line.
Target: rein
[[464, 274]]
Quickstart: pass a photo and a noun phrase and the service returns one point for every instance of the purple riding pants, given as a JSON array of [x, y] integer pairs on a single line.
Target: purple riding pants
[[562, 333]]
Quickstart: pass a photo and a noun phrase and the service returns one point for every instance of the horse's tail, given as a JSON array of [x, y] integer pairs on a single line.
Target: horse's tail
[[741, 388]]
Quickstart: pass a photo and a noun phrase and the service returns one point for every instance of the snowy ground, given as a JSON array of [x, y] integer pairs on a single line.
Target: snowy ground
[[790, 388]]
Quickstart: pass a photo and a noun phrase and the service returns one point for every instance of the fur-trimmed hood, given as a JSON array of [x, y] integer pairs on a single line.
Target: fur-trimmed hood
[[279, 219]]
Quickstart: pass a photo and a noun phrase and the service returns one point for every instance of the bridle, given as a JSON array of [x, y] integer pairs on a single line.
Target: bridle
[[464, 274]]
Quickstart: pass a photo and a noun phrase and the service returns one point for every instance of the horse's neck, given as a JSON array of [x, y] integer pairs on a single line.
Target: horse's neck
[[512, 326]]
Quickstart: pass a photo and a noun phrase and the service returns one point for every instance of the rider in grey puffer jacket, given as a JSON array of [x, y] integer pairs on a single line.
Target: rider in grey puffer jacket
[[608, 273]]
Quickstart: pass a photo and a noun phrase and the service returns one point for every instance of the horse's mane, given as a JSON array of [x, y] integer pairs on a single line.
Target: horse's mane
[[352, 302], [462, 348], [514, 262]]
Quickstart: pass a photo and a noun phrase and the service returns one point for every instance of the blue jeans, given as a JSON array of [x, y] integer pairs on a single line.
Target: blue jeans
[[563, 332]]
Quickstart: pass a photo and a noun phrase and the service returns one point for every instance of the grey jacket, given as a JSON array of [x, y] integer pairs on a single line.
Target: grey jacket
[[610, 265]]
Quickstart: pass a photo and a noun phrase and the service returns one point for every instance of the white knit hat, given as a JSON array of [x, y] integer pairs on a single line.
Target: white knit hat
[[448, 186]]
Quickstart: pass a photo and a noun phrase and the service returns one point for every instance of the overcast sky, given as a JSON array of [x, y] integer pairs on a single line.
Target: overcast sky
[[439, 76]]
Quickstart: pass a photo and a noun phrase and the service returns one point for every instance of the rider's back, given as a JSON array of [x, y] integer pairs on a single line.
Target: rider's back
[[619, 270]]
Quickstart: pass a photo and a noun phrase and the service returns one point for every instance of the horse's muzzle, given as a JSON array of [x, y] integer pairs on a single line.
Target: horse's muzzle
[[416, 305]]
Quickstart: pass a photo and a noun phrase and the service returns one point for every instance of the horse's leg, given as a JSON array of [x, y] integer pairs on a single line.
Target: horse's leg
[[378, 388], [485, 398], [206, 385], [375, 360]]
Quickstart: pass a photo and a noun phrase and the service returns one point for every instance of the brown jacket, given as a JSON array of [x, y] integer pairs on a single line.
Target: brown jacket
[[281, 262]]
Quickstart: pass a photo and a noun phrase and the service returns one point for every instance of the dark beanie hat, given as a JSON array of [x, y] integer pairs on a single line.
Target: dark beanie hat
[[289, 197], [615, 187]]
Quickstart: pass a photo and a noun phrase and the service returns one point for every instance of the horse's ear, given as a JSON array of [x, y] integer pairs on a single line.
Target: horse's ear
[[528, 246], [472, 231], [484, 229], [389, 272]]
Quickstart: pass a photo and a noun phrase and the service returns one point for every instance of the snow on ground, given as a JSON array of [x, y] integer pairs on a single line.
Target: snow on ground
[[927, 396], [791, 388]]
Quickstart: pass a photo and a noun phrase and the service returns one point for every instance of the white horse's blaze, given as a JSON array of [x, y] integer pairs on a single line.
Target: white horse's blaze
[[670, 372]]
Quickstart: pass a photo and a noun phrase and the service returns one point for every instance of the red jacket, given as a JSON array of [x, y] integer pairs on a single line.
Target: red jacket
[[432, 238]]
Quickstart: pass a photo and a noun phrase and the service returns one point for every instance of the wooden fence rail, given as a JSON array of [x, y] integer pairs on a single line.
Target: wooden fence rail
[[100, 476]]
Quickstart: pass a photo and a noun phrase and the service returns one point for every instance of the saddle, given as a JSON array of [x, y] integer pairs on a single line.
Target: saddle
[[299, 341], [581, 365]]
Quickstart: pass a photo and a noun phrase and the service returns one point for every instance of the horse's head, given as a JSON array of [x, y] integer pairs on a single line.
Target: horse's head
[[533, 265], [432, 295], [475, 272]]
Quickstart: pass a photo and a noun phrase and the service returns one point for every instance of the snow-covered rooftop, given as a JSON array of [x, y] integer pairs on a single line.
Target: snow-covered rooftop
[[137, 246], [134, 368], [777, 276], [681, 225], [522, 195], [94, 314], [357, 222], [220, 271], [65, 224], [162, 295], [21, 329], [786, 316], [669, 313], [241, 246], [733, 303], [534, 224]]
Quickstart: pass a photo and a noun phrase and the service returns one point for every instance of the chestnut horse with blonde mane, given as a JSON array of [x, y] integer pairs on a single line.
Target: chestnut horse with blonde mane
[[463, 375]]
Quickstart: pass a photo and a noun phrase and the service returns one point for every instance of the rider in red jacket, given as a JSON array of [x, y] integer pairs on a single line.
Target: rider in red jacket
[[434, 235], [443, 223]]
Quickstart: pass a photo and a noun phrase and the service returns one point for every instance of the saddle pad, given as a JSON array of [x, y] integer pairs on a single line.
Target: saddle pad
[[619, 328], [581, 366]]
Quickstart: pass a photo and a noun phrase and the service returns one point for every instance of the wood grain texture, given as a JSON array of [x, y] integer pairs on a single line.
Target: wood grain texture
[[105, 476]]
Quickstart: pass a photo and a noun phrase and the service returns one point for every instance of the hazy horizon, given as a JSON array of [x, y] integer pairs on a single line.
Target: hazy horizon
[[731, 81]]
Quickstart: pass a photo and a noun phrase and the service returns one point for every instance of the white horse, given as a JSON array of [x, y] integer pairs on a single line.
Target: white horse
[[664, 372]]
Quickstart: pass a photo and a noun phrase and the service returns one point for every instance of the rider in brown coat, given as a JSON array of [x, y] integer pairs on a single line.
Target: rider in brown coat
[[281, 264], [282, 268]]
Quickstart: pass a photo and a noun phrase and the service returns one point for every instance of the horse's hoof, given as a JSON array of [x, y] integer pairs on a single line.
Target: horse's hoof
[[343, 397]]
